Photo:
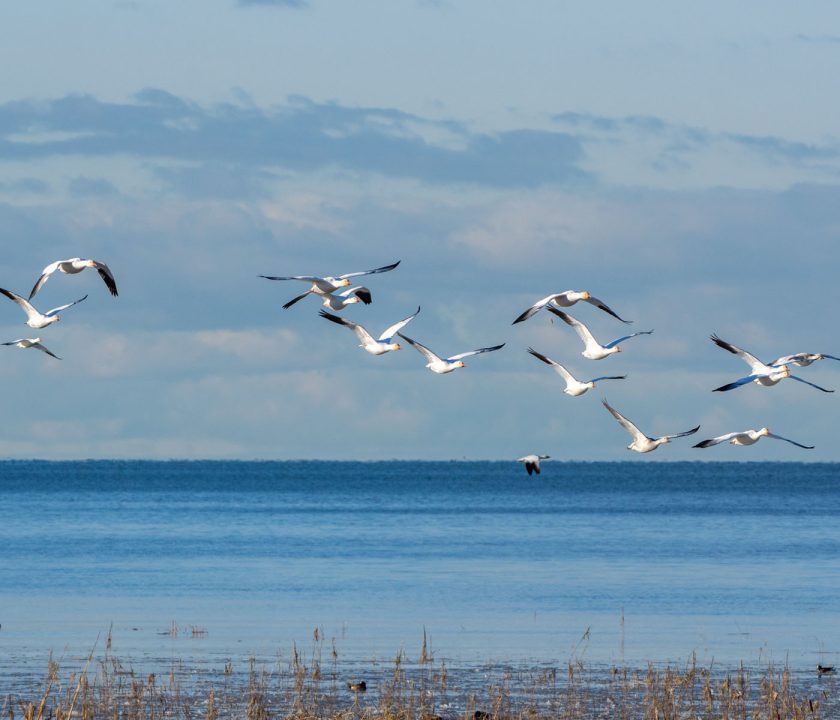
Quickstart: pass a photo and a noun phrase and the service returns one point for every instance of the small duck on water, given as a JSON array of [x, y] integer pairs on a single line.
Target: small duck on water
[[825, 669], [357, 687]]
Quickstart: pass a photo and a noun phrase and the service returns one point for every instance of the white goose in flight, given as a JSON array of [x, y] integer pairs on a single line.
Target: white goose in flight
[[760, 373], [747, 437], [573, 387], [374, 346], [641, 442], [441, 366], [35, 319], [350, 296], [594, 350], [26, 343], [567, 299], [325, 286], [532, 462], [802, 359], [73, 266]]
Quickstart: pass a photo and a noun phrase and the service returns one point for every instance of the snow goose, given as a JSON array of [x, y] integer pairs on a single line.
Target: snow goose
[[441, 366], [350, 296], [573, 387], [567, 299], [594, 350], [325, 286], [31, 343], [35, 319], [761, 373], [641, 442], [532, 462], [374, 347], [73, 266], [748, 437], [802, 359]]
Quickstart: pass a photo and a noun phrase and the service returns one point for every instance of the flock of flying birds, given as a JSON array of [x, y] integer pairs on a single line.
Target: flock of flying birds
[[336, 293], [38, 320]]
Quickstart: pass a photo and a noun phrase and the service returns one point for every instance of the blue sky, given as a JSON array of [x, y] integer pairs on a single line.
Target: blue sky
[[681, 163]]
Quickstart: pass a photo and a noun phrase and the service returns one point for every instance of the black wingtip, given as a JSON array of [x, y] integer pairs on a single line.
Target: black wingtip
[[329, 316]]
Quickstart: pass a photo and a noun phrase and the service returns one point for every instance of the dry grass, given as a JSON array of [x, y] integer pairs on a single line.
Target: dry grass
[[302, 689]]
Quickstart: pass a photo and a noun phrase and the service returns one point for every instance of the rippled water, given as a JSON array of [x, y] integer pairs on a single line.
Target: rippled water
[[612, 562]]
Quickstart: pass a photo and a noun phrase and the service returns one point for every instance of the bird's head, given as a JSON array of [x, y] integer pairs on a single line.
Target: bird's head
[[618, 348], [785, 371], [460, 364], [764, 431], [352, 300], [666, 440], [396, 346], [90, 263], [585, 295], [344, 283]]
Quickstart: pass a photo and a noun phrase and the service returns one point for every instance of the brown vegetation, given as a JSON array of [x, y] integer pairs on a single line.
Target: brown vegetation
[[301, 689]]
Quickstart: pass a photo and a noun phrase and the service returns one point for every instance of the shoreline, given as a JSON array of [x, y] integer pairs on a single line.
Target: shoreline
[[315, 682]]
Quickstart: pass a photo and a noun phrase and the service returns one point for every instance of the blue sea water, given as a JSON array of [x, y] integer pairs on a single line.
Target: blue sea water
[[607, 562]]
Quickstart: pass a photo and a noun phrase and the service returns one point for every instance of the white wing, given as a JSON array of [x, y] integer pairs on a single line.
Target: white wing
[[755, 364], [625, 423], [627, 337], [558, 368], [25, 305], [361, 333], [537, 306], [45, 275], [579, 327], [384, 268], [422, 349], [52, 312], [307, 278], [718, 440], [396, 327], [453, 358]]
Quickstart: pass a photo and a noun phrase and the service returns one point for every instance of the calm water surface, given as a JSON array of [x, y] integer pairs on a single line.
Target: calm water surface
[[655, 560]]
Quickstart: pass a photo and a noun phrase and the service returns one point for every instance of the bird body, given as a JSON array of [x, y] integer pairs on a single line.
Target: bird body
[[641, 442], [72, 266], [442, 366], [374, 346], [593, 350], [574, 387], [35, 319], [532, 462]]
